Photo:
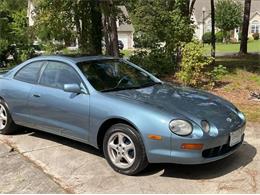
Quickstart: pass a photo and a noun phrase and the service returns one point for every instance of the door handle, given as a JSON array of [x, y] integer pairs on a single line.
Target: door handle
[[36, 95]]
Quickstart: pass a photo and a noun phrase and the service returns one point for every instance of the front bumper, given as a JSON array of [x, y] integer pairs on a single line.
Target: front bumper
[[210, 152], [214, 148]]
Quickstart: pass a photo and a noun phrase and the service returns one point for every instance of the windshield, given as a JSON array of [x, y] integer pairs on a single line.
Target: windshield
[[114, 75]]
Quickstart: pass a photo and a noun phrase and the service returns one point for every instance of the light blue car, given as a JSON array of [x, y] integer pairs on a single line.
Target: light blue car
[[116, 106]]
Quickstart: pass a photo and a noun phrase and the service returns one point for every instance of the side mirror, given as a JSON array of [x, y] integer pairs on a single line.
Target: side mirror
[[73, 88]]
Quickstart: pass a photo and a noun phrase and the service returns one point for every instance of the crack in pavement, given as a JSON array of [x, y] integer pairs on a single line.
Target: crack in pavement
[[58, 181]]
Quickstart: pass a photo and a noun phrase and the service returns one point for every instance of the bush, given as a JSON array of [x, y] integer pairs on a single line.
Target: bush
[[218, 72], [256, 36], [219, 37], [155, 61], [206, 38], [51, 48], [194, 65]]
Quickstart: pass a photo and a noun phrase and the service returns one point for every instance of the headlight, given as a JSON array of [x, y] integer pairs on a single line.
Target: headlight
[[242, 116], [180, 127], [205, 126]]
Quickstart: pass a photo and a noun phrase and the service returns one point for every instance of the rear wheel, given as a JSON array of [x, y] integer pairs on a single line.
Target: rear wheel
[[124, 149], [7, 126]]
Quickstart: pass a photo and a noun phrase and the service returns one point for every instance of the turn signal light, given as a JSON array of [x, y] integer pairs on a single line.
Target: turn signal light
[[154, 137], [192, 146]]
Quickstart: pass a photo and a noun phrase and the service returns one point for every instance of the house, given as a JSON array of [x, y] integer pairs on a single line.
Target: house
[[125, 30], [202, 19]]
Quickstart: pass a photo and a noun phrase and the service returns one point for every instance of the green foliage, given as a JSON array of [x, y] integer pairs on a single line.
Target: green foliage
[[194, 66], [54, 20], [3, 45], [52, 48], [161, 21], [218, 72], [256, 36], [206, 38], [161, 27], [228, 15], [13, 26], [219, 37], [154, 61], [66, 20]]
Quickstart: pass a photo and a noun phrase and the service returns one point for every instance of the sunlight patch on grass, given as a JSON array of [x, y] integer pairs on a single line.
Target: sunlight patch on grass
[[242, 80], [253, 46], [252, 115]]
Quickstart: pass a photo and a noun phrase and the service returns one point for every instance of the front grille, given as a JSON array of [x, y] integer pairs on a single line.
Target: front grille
[[219, 150]]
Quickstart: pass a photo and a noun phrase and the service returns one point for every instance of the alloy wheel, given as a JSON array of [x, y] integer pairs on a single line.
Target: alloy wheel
[[121, 150], [3, 117]]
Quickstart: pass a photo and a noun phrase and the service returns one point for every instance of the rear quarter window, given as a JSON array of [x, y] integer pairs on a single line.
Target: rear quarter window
[[29, 73]]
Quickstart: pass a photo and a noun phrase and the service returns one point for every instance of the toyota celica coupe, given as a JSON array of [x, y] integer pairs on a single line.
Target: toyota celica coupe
[[116, 106]]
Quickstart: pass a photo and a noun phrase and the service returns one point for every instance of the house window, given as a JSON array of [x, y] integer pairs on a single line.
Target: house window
[[255, 27]]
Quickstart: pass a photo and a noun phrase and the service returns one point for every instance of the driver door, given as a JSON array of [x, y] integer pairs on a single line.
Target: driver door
[[55, 110]]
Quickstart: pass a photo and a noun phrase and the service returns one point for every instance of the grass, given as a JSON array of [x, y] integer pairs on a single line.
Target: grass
[[253, 46], [3, 70], [242, 79], [127, 52]]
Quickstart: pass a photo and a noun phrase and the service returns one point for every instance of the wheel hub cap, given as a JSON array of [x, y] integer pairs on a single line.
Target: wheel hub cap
[[3, 117], [121, 150]]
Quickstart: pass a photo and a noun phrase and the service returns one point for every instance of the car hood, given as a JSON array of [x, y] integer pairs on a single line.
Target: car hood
[[196, 105]]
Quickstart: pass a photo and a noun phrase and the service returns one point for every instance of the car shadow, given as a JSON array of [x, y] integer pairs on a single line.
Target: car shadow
[[62, 140], [240, 158]]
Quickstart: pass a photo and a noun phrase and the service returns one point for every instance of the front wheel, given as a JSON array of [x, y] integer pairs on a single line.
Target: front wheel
[[124, 150], [7, 125]]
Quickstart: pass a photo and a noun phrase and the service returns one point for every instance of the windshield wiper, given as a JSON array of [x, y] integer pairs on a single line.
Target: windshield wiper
[[134, 87]]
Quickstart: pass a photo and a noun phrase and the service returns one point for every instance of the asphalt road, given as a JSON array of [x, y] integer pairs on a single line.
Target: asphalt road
[[37, 162]]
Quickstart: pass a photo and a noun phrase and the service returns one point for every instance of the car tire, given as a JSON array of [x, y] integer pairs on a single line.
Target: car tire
[[7, 125], [130, 150]]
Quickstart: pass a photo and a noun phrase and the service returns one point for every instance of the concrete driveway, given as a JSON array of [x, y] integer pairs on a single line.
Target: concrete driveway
[[62, 165]]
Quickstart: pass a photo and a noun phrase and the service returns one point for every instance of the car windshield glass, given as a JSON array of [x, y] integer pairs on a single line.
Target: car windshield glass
[[114, 75]]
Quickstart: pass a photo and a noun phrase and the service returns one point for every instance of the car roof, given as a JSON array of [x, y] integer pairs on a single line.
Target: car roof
[[75, 58]]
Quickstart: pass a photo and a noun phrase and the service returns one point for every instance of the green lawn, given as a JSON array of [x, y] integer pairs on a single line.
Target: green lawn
[[243, 78], [253, 46]]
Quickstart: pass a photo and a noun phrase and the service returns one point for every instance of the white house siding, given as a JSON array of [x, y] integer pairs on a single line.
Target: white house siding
[[200, 4], [30, 13], [254, 25], [199, 28], [127, 39]]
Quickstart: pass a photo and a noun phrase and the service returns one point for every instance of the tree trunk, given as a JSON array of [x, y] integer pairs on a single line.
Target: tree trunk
[[192, 3], [110, 28], [244, 36], [96, 28], [213, 36], [114, 36]]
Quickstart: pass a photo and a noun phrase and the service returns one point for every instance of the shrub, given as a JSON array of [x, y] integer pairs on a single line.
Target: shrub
[[155, 61], [219, 37], [256, 36], [52, 48], [218, 72], [194, 65], [206, 38]]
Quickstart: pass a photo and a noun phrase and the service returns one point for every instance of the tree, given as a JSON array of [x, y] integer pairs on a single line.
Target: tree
[[228, 16], [161, 21], [213, 36], [65, 20], [110, 12], [161, 28], [244, 36], [13, 26]]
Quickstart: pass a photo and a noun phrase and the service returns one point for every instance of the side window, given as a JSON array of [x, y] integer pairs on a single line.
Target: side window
[[56, 74], [29, 73]]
